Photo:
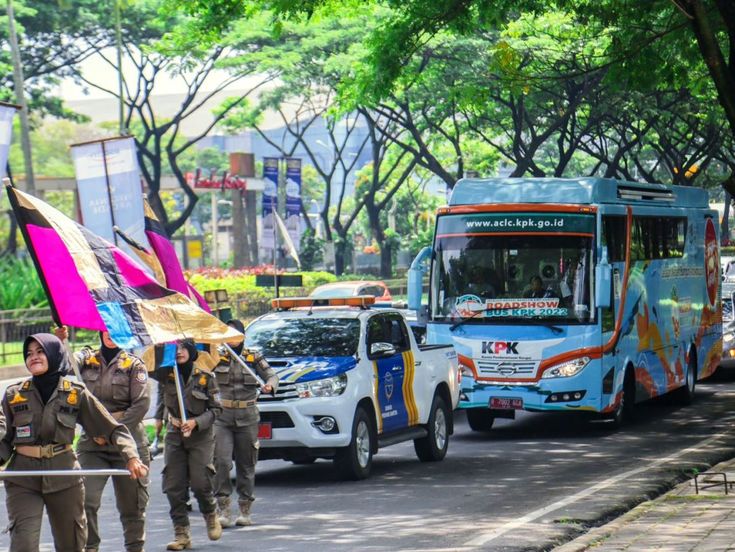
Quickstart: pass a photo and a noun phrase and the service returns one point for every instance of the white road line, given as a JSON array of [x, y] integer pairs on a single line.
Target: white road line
[[485, 538]]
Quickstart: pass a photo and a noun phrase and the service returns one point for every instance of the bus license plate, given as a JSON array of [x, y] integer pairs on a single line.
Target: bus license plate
[[265, 430], [504, 403]]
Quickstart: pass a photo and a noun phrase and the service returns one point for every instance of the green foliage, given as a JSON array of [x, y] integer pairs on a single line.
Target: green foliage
[[20, 287], [312, 250]]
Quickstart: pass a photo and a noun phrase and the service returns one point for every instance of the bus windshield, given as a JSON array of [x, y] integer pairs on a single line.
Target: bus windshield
[[498, 279]]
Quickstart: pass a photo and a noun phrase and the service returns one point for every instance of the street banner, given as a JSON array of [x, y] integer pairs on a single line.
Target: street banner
[[7, 112], [270, 201], [92, 284], [293, 200], [110, 192]]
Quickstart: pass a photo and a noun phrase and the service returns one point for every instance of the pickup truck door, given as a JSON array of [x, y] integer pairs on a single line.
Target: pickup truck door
[[393, 374]]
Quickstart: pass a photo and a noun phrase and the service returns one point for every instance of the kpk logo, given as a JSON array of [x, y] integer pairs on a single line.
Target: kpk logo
[[500, 347]]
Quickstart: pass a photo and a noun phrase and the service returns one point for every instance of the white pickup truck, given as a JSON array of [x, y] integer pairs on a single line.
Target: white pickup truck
[[352, 380]]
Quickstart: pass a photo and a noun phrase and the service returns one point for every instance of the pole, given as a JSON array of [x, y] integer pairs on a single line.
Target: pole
[[179, 394], [275, 251], [109, 191], [7, 474], [215, 229], [244, 365], [118, 47], [72, 360]]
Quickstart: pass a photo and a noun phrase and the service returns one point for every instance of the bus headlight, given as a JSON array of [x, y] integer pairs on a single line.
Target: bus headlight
[[328, 387], [567, 369]]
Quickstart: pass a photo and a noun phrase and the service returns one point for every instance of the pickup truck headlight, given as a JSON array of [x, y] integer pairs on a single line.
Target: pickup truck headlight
[[328, 387], [567, 369], [728, 337]]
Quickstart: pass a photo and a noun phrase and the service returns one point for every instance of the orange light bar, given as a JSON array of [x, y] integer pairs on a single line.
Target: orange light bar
[[285, 303]]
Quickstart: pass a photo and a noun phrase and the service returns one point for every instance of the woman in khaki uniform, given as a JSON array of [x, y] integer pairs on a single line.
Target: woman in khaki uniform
[[42, 413], [189, 446], [120, 381], [236, 430]]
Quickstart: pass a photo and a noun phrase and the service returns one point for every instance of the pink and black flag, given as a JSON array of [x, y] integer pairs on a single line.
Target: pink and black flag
[[92, 284]]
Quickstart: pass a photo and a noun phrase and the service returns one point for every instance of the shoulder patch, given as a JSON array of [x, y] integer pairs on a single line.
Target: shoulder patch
[[67, 385], [93, 361], [203, 380], [125, 361], [26, 385], [141, 376], [250, 358]]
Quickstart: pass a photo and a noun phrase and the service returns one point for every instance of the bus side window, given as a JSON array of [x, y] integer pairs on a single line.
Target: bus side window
[[613, 236]]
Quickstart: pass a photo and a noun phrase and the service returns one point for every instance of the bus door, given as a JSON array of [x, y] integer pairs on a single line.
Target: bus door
[[389, 350]]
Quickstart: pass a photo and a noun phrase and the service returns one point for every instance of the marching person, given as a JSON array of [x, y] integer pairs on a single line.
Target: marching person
[[236, 430], [189, 445], [42, 413], [120, 381]]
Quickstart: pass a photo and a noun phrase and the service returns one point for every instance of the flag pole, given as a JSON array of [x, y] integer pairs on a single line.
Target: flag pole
[[8, 474], [275, 250], [244, 365], [179, 393]]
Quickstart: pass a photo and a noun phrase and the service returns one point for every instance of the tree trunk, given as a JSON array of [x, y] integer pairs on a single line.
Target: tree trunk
[[251, 227], [725, 226], [386, 261], [240, 237], [340, 252]]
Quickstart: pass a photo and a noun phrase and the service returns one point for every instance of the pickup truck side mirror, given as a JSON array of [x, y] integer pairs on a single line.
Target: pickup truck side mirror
[[382, 349]]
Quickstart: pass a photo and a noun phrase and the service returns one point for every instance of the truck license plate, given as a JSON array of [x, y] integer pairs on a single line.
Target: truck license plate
[[505, 403], [265, 430]]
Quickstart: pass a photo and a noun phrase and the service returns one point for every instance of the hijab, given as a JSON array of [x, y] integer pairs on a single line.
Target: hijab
[[186, 368], [57, 361], [108, 353], [234, 323]]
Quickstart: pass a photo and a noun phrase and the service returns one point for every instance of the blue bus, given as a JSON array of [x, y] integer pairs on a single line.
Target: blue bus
[[581, 294]]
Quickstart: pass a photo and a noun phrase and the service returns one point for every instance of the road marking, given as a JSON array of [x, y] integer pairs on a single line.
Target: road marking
[[484, 538]]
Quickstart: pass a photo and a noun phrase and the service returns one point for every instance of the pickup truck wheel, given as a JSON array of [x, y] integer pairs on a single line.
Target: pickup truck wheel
[[433, 447], [356, 459], [480, 419]]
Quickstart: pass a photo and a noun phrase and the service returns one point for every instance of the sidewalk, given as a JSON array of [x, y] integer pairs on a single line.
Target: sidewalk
[[678, 521]]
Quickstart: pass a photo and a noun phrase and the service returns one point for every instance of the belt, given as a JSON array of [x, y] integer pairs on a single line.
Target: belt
[[238, 404], [42, 451]]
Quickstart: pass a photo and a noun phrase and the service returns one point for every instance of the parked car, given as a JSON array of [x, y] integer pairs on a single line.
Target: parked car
[[728, 332], [352, 381], [728, 267], [375, 288]]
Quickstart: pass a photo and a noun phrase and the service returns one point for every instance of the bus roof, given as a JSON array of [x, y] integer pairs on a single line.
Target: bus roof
[[474, 191]]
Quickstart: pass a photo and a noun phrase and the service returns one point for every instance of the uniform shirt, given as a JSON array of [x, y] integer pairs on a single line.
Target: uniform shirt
[[122, 387], [30, 422], [201, 396], [237, 384]]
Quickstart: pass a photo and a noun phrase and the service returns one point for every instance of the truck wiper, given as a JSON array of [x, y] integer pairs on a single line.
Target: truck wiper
[[467, 319]]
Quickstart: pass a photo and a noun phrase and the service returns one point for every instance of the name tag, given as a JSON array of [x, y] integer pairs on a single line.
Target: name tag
[[23, 432]]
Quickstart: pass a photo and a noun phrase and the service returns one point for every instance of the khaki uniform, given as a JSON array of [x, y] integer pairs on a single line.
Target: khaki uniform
[[30, 424], [189, 460], [122, 387], [236, 430]]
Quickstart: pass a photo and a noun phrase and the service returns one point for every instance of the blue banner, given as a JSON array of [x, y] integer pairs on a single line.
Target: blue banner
[[270, 201], [293, 200], [6, 133], [107, 171]]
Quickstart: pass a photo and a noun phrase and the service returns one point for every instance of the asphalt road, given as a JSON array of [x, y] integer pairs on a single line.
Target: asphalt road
[[529, 484]]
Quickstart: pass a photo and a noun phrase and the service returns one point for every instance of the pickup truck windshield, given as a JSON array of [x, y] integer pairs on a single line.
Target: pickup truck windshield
[[287, 337], [500, 278]]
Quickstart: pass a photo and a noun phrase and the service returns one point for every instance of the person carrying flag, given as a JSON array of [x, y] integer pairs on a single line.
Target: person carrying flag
[[189, 444], [236, 430], [120, 381], [42, 413]]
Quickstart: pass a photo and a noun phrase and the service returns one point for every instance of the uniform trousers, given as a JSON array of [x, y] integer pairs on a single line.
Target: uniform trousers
[[189, 463], [242, 444]]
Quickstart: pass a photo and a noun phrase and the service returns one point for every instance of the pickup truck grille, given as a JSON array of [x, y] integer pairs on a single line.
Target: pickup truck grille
[[277, 419], [505, 369], [285, 391]]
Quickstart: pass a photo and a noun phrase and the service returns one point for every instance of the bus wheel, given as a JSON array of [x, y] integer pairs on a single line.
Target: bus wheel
[[433, 447], [480, 419], [685, 394], [624, 412]]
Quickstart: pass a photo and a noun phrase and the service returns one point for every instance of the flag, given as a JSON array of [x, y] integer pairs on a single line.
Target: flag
[[165, 256], [287, 241], [92, 284]]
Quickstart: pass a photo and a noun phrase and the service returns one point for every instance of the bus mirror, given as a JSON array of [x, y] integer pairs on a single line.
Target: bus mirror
[[419, 267], [603, 277]]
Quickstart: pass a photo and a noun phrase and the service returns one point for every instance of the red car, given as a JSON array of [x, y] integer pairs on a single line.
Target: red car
[[375, 288]]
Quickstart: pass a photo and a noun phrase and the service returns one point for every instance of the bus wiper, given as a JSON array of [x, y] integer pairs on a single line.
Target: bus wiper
[[467, 319], [553, 327]]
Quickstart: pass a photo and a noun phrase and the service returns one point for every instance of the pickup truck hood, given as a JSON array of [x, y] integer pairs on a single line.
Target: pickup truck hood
[[299, 369]]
